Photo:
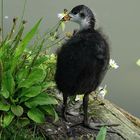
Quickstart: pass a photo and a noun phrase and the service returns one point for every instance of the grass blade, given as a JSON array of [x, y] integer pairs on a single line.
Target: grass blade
[[102, 134]]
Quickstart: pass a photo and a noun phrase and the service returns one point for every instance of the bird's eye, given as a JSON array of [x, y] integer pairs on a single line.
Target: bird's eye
[[74, 12], [82, 15]]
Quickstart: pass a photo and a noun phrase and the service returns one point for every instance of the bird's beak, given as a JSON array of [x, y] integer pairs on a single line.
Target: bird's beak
[[66, 17]]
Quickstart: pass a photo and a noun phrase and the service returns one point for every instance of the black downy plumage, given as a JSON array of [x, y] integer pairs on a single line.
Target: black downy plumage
[[82, 60]]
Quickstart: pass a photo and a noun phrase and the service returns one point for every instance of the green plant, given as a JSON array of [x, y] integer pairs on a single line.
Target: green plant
[[102, 134], [26, 75], [16, 132]]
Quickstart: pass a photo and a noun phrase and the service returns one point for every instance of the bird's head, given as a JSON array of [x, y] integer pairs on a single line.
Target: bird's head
[[82, 15]]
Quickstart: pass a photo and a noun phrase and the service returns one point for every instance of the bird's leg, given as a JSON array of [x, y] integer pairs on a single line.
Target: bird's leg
[[64, 107], [88, 124], [91, 125], [85, 109]]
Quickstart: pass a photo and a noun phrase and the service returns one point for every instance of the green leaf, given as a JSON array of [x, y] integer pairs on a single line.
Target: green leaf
[[51, 111], [63, 26], [8, 82], [23, 99], [4, 92], [26, 40], [21, 75], [23, 44], [36, 75], [7, 119], [56, 118], [23, 122], [47, 85], [4, 107], [41, 99], [41, 60], [17, 110], [4, 48], [1, 72], [102, 134], [36, 115], [31, 92], [17, 38]]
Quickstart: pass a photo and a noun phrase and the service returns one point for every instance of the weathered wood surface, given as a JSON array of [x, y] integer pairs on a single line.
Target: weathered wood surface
[[101, 112]]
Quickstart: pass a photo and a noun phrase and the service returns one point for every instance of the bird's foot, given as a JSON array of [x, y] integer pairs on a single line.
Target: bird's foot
[[97, 126]]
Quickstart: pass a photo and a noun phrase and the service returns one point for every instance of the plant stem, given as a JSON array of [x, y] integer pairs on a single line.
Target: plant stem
[[34, 131], [23, 12], [1, 131], [2, 19], [53, 29], [52, 44]]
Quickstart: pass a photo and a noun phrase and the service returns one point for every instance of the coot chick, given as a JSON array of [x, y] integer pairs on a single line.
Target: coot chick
[[82, 60]]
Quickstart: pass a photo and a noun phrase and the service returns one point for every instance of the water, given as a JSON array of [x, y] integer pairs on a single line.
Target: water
[[119, 19]]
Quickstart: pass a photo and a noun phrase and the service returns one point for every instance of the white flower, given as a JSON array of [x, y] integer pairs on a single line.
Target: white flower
[[6, 17], [30, 52], [61, 15], [78, 97], [102, 92], [113, 64], [138, 62], [64, 17], [52, 56]]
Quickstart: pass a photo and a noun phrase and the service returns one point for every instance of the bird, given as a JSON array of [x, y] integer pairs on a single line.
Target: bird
[[82, 60]]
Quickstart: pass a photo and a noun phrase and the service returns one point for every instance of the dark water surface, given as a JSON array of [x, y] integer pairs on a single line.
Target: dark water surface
[[119, 19]]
